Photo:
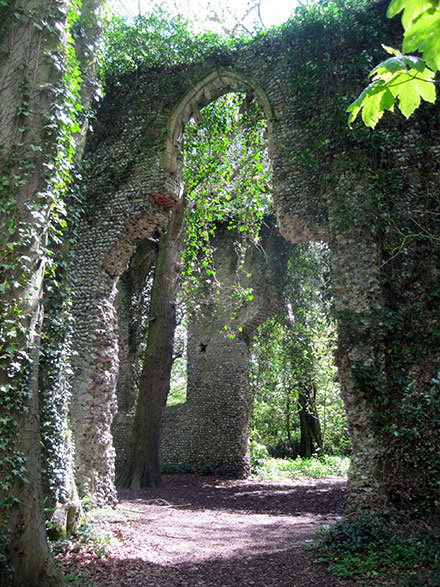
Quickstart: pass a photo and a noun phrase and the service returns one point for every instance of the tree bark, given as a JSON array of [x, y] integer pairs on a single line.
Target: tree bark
[[288, 416], [32, 59], [130, 304], [24, 69], [311, 437], [142, 466], [29, 560]]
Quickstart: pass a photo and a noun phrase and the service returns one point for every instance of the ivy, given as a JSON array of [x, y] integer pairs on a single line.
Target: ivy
[[33, 221], [157, 40], [321, 56]]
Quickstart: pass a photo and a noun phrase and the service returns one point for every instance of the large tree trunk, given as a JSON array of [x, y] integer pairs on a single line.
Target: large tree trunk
[[32, 87], [142, 466], [130, 303], [25, 69], [28, 560]]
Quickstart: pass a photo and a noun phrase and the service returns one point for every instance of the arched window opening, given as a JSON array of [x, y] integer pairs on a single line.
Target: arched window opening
[[227, 176]]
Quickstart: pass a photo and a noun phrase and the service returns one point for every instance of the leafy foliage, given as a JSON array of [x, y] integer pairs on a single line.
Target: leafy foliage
[[406, 78], [316, 468], [89, 540], [227, 180], [293, 352], [414, 417], [156, 40], [371, 545]]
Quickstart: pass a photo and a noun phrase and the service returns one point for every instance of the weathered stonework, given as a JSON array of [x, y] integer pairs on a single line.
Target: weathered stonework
[[373, 196], [101, 255], [210, 431]]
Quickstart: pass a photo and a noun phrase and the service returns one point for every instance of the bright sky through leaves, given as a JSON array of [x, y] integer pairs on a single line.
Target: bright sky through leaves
[[273, 12]]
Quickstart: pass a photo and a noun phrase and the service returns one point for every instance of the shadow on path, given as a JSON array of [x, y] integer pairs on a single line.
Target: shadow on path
[[210, 532], [315, 496]]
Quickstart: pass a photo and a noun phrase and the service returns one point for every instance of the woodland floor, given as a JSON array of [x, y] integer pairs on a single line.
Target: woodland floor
[[209, 532]]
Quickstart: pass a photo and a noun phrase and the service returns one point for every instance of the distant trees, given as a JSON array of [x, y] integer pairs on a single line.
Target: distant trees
[[297, 407]]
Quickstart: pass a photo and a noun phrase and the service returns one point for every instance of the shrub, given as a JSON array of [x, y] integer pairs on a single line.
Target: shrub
[[373, 545], [259, 454]]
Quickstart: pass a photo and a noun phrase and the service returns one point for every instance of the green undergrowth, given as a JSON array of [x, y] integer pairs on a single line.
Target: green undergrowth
[[376, 549], [279, 469]]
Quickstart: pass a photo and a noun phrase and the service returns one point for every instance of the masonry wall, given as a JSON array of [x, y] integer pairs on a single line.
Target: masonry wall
[[373, 196], [210, 431]]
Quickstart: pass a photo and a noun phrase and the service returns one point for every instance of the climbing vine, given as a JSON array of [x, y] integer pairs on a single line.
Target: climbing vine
[[398, 209], [157, 40], [227, 179], [402, 216], [36, 167]]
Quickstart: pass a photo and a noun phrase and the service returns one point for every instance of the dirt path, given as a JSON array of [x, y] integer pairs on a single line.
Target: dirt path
[[207, 532]]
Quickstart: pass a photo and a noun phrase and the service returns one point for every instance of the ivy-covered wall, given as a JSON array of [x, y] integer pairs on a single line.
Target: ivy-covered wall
[[373, 195]]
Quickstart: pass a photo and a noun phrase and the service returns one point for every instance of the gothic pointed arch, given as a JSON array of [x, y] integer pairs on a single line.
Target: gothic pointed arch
[[211, 87]]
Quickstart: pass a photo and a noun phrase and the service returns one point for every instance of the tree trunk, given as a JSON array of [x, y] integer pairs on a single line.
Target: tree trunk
[[28, 559], [142, 466], [25, 68], [130, 304], [311, 437], [288, 416], [32, 85]]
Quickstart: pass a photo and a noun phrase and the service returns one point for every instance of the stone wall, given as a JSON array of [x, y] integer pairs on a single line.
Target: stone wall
[[131, 304], [132, 183], [210, 431], [374, 196]]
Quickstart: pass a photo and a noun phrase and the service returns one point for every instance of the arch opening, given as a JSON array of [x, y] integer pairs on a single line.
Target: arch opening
[[210, 88], [205, 449]]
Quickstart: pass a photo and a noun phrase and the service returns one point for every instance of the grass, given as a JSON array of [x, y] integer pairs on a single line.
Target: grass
[[280, 469]]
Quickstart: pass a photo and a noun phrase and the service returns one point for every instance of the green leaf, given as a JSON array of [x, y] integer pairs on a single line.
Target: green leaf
[[391, 51], [431, 51], [373, 101], [410, 91], [394, 64], [424, 35], [405, 78], [412, 9], [409, 98]]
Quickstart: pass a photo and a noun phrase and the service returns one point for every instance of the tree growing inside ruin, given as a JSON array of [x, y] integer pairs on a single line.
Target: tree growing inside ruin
[[225, 179], [142, 466]]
